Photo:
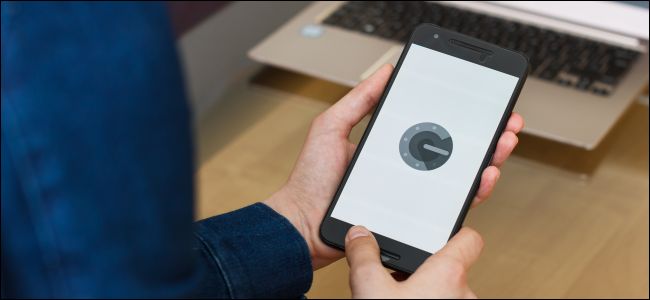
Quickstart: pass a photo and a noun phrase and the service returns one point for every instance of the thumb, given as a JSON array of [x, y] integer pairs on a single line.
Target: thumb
[[359, 101], [362, 253]]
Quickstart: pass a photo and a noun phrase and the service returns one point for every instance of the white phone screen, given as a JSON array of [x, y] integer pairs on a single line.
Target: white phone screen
[[417, 166]]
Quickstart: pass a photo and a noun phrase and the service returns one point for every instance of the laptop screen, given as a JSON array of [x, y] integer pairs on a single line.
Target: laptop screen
[[629, 18]]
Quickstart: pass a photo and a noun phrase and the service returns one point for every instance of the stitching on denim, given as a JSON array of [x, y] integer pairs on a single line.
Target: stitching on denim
[[305, 256], [217, 261]]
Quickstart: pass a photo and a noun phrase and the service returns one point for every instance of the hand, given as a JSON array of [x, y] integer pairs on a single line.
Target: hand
[[442, 275], [304, 199]]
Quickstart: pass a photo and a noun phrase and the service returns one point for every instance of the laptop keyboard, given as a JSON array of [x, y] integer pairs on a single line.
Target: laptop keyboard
[[557, 57]]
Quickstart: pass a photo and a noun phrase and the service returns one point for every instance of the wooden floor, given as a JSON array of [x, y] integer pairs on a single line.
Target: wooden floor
[[561, 223]]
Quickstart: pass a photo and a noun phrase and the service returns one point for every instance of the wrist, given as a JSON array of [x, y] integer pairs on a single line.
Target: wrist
[[306, 219]]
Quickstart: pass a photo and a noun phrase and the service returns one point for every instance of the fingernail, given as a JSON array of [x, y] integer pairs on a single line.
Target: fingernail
[[357, 231]]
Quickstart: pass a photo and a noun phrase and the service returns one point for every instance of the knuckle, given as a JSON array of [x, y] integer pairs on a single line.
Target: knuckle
[[477, 239], [515, 139], [503, 140], [512, 139]]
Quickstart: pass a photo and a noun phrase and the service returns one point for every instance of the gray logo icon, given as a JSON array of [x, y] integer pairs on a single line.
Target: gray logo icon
[[425, 146]]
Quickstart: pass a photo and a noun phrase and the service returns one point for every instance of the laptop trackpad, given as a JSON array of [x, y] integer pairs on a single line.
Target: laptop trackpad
[[390, 57]]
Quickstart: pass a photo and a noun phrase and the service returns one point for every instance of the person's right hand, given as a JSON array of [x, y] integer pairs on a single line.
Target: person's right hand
[[443, 275]]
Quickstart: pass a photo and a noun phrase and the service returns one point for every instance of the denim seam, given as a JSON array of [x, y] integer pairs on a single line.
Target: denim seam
[[217, 261], [33, 191], [301, 244]]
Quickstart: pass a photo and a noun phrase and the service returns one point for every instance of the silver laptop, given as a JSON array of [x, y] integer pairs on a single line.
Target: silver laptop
[[589, 60]]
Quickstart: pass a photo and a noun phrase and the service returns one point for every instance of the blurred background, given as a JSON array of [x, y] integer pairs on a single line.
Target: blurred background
[[569, 217]]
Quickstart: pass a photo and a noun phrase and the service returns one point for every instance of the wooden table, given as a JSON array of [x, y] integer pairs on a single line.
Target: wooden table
[[561, 223]]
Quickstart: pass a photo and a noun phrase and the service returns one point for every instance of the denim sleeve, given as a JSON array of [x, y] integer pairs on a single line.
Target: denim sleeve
[[97, 168], [257, 252]]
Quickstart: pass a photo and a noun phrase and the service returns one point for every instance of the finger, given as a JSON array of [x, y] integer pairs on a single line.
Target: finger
[[489, 179], [348, 111], [515, 123], [362, 252], [505, 145], [464, 248]]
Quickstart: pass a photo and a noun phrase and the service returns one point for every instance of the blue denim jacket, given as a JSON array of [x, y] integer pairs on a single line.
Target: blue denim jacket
[[97, 170]]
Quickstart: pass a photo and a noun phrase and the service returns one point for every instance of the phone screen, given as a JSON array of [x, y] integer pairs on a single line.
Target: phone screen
[[429, 139]]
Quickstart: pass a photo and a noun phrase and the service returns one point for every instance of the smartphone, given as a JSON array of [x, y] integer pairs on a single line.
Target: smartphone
[[419, 163]]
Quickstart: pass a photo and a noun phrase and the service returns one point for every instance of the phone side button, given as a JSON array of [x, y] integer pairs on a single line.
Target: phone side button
[[385, 256]]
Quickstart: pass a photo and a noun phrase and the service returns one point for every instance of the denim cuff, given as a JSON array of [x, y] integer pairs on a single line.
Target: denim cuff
[[258, 252]]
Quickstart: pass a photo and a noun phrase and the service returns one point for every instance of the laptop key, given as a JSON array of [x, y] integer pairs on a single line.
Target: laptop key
[[585, 61]]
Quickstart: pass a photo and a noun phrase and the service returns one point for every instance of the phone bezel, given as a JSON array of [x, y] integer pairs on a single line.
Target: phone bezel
[[333, 231]]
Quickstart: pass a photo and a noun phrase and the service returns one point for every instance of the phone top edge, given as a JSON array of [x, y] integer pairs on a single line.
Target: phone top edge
[[502, 59]]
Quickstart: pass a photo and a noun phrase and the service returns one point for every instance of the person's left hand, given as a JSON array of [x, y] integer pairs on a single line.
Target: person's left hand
[[304, 199]]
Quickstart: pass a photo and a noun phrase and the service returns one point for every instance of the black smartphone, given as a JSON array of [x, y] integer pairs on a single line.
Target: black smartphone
[[420, 160]]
